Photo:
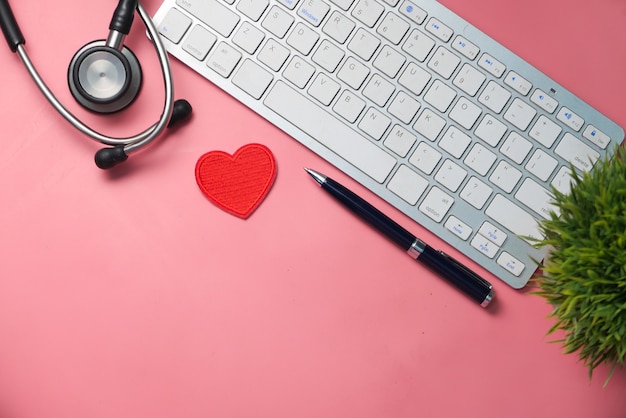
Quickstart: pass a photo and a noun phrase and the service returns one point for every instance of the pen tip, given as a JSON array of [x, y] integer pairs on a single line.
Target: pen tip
[[319, 177]]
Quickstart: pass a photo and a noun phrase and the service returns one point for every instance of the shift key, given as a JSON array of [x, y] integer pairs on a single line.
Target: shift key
[[212, 13]]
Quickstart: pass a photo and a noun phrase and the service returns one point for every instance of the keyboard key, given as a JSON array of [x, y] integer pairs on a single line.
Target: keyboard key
[[486, 247], [313, 11], [303, 38], [393, 28], [248, 37], [465, 113], [174, 25], [328, 56], [492, 233], [273, 54], [544, 101], [440, 96], [252, 79], [212, 13], [505, 176], [418, 45], [374, 123], [408, 185], [378, 90], [480, 159], [324, 89], [545, 131], [536, 198], [425, 158], [450, 175], [541, 165], [364, 44], [444, 62], [520, 114], [413, 12], [562, 180], [570, 119], [513, 218], [455, 142], [277, 21], [353, 73], [458, 228], [199, 42], [516, 147], [476, 193], [518, 83], [349, 106], [299, 72], [414, 78], [510, 263], [429, 124], [438, 29], [494, 97], [400, 141], [404, 107], [338, 27], [389, 61], [492, 65], [436, 204], [490, 130], [596, 136], [345, 142], [368, 12], [224, 59], [469, 79], [576, 152], [465, 47]]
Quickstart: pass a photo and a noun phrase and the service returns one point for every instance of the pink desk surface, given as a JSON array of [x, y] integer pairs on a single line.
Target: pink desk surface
[[127, 294]]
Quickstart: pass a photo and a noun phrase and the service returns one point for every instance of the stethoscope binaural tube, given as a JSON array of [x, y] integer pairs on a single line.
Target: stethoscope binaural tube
[[123, 145]]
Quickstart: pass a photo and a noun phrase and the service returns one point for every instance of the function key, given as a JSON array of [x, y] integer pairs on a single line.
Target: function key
[[440, 30], [489, 63], [413, 12], [570, 118], [465, 47], [596, 136], [518, 83], [544, 101]]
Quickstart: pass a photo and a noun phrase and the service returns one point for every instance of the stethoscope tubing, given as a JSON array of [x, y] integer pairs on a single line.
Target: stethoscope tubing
[[130, 143]]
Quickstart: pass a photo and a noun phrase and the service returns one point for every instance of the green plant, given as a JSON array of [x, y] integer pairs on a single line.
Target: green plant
[[584, 275]]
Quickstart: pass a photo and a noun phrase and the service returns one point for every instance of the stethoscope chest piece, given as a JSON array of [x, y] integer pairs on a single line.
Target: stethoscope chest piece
[[104, 79]]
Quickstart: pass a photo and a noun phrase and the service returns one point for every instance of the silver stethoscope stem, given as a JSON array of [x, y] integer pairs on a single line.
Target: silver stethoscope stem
[[131, 143]]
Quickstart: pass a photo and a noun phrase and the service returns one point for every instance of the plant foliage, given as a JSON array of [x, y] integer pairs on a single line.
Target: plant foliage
[[584, 276]]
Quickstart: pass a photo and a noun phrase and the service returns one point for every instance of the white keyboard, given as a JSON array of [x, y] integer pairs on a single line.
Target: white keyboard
[[412, 101]]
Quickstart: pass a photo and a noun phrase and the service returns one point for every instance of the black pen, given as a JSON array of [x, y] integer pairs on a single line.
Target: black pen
[[457, 274]]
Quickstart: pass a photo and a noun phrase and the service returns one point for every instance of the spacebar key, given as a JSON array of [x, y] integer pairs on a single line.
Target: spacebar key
[[330, 132]]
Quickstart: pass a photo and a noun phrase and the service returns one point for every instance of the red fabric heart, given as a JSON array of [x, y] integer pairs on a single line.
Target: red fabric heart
[[237, 183]]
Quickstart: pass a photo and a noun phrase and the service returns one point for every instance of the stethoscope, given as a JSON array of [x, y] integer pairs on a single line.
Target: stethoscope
[[104, 76]]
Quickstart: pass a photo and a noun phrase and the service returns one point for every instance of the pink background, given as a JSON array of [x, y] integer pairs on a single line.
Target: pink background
[[128, 294]]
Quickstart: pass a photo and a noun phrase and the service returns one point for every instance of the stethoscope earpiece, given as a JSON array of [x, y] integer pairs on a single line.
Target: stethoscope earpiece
[[107, 158], [104, 79]]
